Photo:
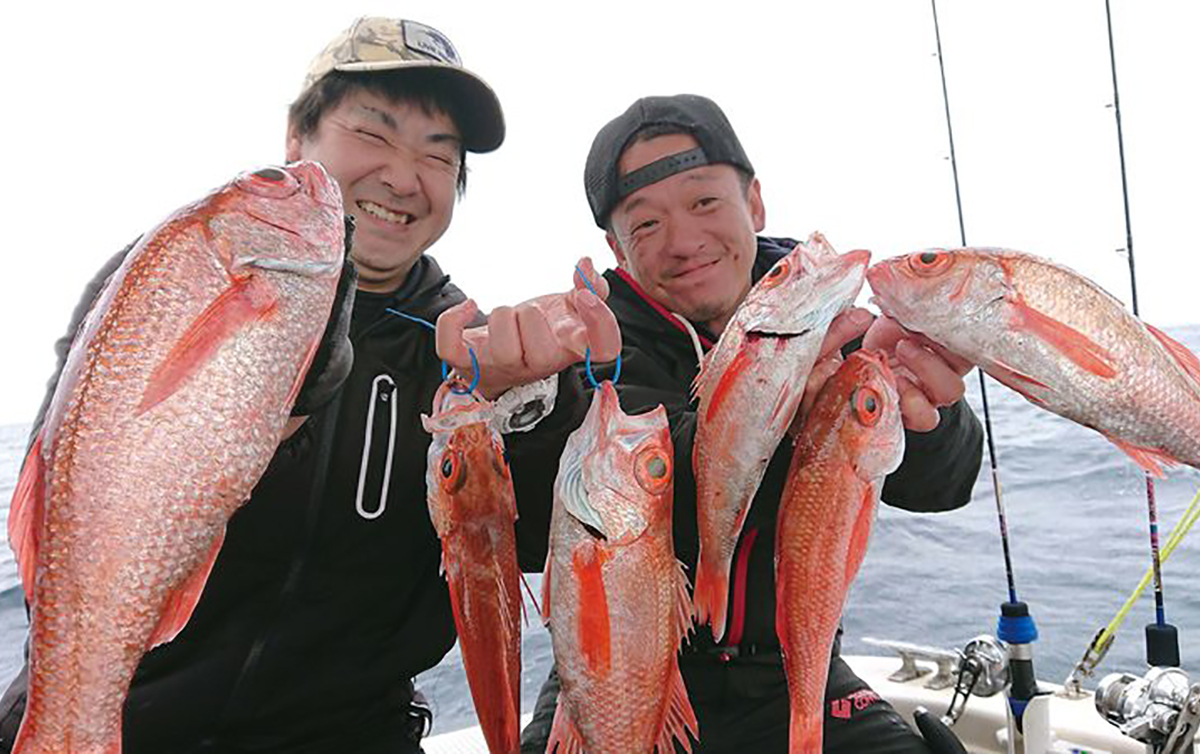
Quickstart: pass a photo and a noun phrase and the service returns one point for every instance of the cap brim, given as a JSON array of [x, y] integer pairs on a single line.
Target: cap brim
[[480, 117]]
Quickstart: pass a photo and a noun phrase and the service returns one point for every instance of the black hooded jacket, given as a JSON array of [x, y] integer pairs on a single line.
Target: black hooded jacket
[[659, 365], [327, 597]]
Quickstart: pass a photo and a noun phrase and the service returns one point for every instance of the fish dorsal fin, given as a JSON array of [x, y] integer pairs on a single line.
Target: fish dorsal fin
[[1079, 348], [1183, 356], [563, 732], [25, 515], [245, 300], [683, 603], [180, 604], [860, 535], [594, 631], [678, 719]]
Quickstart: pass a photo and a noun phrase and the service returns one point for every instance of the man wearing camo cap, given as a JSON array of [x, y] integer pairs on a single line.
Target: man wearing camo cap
[[327, 598]]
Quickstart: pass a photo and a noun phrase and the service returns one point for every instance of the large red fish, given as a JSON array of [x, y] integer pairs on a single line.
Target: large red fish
[[174, 397], [615, 595], [1056, 338], [852, 438], [749, 388], [473, 508]]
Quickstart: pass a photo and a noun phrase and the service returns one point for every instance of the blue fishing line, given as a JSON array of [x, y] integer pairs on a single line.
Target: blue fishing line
[[445, 367], [587, 355]]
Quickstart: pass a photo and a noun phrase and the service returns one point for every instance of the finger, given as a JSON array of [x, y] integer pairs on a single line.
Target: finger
[[956, 362], [939, 381], [598, 284], [603, 333], [917, 413], [844, 328], [504, 340], [451, 347], [884, 333], [817, 378], [540, 352]]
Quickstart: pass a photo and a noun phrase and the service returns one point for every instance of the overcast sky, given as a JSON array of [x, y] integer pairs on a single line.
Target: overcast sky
[[118, 113]]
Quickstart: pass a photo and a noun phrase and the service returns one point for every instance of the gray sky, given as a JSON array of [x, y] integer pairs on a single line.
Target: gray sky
[[121, 112]]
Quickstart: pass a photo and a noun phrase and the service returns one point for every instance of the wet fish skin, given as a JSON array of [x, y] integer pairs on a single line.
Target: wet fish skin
[[473, 508], [614, 595], [852, 438], [173, 400], [749, 389], [1056, 338]]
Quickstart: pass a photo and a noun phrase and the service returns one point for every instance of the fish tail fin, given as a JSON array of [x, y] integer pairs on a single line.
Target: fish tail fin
[[678, 718], [804, 733], [711, 596], [25, 515], [563, 732], [182, 601]]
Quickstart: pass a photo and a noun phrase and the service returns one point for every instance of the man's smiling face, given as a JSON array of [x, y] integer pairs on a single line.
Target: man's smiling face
[[689, 239], [397, 166]]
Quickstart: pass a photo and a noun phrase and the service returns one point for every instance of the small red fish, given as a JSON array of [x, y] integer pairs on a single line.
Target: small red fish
[[1056, 338], [173, 400], [473, 508], [614, 595], [852, 438], [749, 389]]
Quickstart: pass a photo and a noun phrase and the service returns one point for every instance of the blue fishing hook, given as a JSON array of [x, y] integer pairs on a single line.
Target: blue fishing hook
[[445, 367], [587, 355]]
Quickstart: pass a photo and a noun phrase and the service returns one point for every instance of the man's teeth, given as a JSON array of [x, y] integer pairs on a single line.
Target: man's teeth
[[383, 213]]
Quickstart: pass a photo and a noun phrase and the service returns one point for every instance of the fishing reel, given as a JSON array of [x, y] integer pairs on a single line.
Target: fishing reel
[[982, 671], [1160, 709]]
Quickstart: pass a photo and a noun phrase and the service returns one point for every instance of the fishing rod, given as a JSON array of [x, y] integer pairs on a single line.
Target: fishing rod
[[1016, 626]]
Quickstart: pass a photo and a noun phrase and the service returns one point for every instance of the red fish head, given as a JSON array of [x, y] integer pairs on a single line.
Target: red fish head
[[858, 413], [935, 290], [617, 475], [801, 288], [467, 470]]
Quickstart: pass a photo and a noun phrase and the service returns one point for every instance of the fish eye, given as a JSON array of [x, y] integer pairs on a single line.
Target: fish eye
[[776, 274], [270, 182], [274, 175], [930, 262], [867, 405], [653, 470], [453, 474]]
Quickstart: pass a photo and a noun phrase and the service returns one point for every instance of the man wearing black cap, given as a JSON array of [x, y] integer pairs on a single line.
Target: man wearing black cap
[[326, 598], [675, 193]]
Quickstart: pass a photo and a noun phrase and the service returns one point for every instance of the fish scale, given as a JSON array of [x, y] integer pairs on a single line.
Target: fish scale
[[173, 399]]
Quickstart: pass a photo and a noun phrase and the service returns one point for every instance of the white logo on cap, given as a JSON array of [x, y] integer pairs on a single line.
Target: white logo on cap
[[430, 41]]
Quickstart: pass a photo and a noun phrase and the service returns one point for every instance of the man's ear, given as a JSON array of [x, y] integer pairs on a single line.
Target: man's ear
[[292, 144], [758, 212], [615, 245]]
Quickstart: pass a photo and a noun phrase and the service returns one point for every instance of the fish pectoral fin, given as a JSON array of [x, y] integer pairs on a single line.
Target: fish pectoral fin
[[563, 732], [180, 604], [1084, 352], [1148, 458], [678, 718], [1184, 357], [246, 300], [860, 535], [726, 380], [591, 614], [25, 515]]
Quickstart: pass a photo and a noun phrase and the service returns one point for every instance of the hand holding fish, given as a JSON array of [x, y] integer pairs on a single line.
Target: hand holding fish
[[850, 324], [927, 375], [535, 339]]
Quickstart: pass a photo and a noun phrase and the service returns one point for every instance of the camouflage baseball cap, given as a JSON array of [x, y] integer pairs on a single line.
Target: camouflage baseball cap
[[385, 44]]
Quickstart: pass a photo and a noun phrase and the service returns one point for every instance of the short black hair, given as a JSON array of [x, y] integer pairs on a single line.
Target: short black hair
[[422, 88]]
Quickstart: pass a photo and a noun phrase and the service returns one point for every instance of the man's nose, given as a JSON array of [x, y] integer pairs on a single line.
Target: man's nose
[[400, 174], [684, 237]]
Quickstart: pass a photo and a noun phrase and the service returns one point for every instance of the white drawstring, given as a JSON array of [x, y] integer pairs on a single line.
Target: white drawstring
[[691, 331], [366, 453]]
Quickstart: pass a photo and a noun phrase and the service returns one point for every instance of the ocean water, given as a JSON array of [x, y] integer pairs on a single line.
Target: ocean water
[[1079, 534]]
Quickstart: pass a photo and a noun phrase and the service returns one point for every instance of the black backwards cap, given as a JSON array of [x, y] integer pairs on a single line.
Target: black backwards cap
[[690, 113]]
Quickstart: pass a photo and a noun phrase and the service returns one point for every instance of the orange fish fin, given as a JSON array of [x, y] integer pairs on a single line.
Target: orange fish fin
[[529, 590], [860, 535], [595, 635], [1182, 355], [678, 719], [1017, 381], [729, 377], [683, 613], [26, 513], [182, 602], [1148, 458], [546, 587], [245, 300], [563, 732], [711, 597], [1086, 353], [805, 733]]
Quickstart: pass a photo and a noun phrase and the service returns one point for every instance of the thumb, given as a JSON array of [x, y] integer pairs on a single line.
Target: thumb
[[450, 326]]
